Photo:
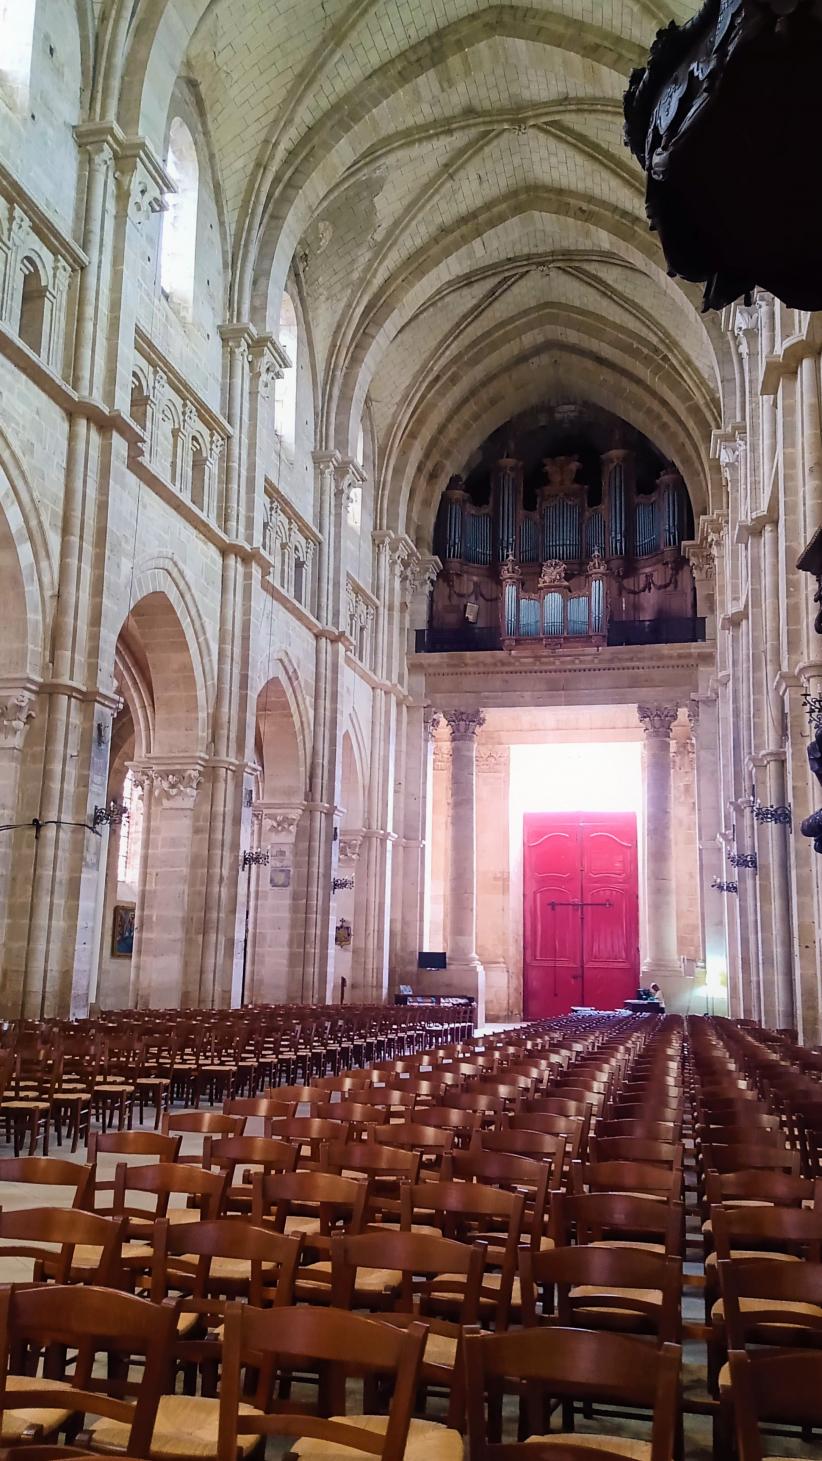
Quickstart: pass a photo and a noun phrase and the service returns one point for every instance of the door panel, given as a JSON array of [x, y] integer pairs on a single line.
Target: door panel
[[581, 943]]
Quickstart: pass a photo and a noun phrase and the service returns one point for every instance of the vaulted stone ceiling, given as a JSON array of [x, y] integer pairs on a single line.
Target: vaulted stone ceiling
[[447, 179]]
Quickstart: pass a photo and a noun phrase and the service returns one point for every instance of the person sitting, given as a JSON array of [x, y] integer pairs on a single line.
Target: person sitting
[[656, 993]]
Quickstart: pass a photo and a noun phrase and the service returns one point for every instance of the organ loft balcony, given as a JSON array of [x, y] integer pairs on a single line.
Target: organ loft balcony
[[565, 530]]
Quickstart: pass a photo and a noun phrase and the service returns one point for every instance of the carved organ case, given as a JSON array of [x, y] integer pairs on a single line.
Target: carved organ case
[[578, 561]]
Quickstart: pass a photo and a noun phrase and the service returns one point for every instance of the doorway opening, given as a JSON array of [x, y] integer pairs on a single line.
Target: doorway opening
[[575, 814]]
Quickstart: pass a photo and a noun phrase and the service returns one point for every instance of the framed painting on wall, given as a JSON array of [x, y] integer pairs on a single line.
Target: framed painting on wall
[[122, 931]]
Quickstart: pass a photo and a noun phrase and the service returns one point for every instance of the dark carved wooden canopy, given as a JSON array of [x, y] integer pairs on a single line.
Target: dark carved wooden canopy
[[726, 120]]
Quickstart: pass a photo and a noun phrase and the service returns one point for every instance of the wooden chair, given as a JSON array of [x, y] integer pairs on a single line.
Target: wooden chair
[[609, 1218], [643, 1178], [572, 1128], [150, 1145], [440, 1281], [430, 1142], [89, 1244], [537, 1145], [621, 1288], [82, 1323], [265, 1153], [161, 1181], [512, 1174], [309, 1134], [785, 1387], [470, 1211], [200, 1123], [338, 1346], [636, 1149], [575, 1366], [384, 1167], [260, 1108], [50, 1172], [359, 1114]]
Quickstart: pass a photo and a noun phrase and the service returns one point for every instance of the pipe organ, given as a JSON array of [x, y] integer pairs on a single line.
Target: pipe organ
[[604, 566]]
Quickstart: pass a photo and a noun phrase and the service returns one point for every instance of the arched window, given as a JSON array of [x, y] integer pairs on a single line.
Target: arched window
[[299, 578], [32, 307], [285, 391], [354, 506], [131, 833], [199, 463], [179, 246], [16, 43]]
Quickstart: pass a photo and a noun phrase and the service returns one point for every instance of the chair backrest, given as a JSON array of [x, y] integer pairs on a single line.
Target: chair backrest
[[751, 1156], [538, 1145], [781, 1229], [202, 1123], [23, 1230], [592, 1217], [90, 1321], [162, 1180], [372, 1158], [427, 1140], [636, 1149], [629, 1176], [573, 1128], [332, 1198], [512, 1174], [786, 1386], [334, 1342], [789, 1284], [571, 1365], [50, 1172], [422, 1260], [591, 1281], [780, 1188], [259, 1108], [272, 1260], [266, 1152], [133, 1144]]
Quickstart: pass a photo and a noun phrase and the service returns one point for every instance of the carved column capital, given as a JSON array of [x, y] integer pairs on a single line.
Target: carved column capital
[[464, 724], [280, 823], [657, 720], [432, 724], [171, 786], [350, 844], [16, 711]]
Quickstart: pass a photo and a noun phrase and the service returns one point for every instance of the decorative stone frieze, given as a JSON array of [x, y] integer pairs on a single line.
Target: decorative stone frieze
[[172, 787]]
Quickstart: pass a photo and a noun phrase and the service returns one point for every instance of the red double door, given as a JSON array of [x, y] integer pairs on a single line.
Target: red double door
[[581, 916]]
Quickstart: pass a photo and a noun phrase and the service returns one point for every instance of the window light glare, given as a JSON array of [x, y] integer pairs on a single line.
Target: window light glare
[[16, 46]]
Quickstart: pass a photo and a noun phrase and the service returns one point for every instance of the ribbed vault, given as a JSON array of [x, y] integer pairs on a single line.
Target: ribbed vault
[[449, 183]]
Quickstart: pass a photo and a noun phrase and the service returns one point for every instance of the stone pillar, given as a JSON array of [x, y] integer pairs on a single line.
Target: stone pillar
[[16, 711], [685, 852], [493, 878], [327, 729], [437, 931], [274, 897], [661, 963], [465, 972], [702, 714], [346, 907], [411, 892], [161, 921]]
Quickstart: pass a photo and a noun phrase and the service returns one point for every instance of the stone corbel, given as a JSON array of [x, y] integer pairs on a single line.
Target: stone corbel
[[279, 822], [16, 713], [143, 181]]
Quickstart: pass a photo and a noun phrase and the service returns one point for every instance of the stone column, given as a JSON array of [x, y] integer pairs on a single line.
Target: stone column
[[346, 907], [161, 921], [702, 714], [274, 895], [437, 925], [411, 893], [493, 878], [661, 963], [465, 972], [16, 712]]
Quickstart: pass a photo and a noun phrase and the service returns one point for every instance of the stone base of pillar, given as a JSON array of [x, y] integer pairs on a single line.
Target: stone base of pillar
[[498, 992], [460, 978], [668, 975]]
